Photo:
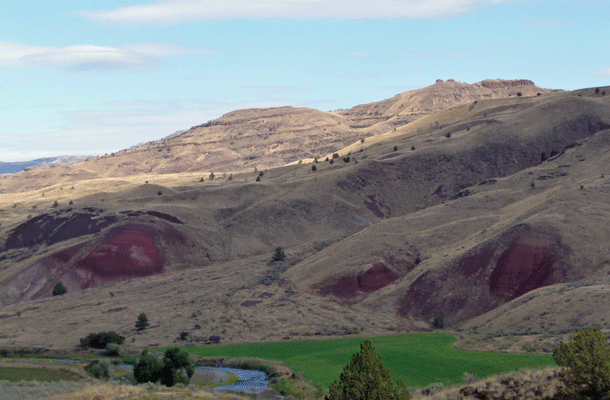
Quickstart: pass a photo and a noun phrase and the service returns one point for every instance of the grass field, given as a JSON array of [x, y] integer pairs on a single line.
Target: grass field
[[16, 374], [419, 359]]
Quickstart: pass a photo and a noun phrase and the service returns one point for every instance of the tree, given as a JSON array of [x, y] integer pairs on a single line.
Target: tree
[[439, 321], [177, 367], [142, 322], [101, 339], [148, 369], [59, 289], [279, 254], [585, 358], [366, 378]]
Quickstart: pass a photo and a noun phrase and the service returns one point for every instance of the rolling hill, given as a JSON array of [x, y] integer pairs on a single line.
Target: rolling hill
[[492, 210]]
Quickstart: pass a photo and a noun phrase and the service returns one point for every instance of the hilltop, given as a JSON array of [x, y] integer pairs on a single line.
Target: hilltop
[[490, 210]]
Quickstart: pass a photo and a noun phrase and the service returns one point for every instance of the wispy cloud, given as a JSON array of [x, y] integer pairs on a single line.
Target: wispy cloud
[[91, 58], [543, 23], [362, 53], [604, 73], [176, 11]]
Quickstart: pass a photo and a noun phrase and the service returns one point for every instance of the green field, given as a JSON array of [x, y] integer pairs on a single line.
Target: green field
[[16, 374], [419, 358]]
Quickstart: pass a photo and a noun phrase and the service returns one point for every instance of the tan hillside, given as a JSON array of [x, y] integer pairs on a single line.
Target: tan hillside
[[493, 212], [264, 138]]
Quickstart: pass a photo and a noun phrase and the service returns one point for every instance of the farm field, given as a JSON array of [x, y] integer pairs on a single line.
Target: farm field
[[419, 359]]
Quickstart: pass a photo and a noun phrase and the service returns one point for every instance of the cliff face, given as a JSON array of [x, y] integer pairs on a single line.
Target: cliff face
[[499, 83]]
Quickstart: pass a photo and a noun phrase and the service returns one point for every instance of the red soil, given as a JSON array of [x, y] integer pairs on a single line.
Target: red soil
[[129, 254], [374, 278], [527, 265]]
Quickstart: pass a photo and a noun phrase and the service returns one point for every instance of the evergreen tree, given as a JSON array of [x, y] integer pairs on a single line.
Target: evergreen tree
[[279, 254], [59, 289], [366, 378], [586, 357], [142, 322], [148, 369]]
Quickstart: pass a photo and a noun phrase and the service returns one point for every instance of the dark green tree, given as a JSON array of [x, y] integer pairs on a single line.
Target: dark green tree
[[148, 368], [585, 358], [177, 367], [59, 289], [439, 321], [142, 322], [279, 254], [366, 378]]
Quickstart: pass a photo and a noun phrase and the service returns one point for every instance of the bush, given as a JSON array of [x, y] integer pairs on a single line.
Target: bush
[[279, 254], [59, 289], [113, 350], [211, 175], [335, 155], [101, 339], [313, 168], [177, 367], [148, 368], [412, 148], [519, 94], [395, 148], [55, 204], [365, 377], [100, 369], [585, 358], [142, 322], [439, 321]]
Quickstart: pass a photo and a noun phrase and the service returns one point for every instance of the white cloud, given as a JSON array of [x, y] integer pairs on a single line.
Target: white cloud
[[604, 73], [91, 58], [175, 11]]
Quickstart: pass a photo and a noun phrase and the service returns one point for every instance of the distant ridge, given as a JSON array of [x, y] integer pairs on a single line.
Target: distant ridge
[[14, 167]]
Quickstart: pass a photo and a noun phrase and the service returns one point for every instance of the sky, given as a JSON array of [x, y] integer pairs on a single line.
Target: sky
[[93, 77]]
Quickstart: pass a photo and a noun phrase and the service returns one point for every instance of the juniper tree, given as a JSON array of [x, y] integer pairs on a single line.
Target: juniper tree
[[366, 378]]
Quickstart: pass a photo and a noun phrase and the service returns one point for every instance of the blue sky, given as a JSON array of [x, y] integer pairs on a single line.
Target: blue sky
[[93, 77]]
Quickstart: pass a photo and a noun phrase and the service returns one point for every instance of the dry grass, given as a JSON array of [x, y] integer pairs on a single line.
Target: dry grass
[[389, 205], [526, 384]]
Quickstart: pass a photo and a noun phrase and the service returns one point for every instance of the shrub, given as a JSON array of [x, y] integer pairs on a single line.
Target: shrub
[[597, 91], [184, 335], [142, 322], [101, 339], [326, 159], [519, 94], [231, 177], [59, 289], [201, 179], [439, 321], [448, 135], [55, 204], [314, 168], [331, 162], [113, 350], [159, 193], [279, 254], [365, 377], [362, 140], [412, 148], [258, 178], [211, 175], [346, 159], [100, 369], [71, 203], [261, 173], [148, 368], [585, 358], [335, 155], [177, 367], [395, 148]]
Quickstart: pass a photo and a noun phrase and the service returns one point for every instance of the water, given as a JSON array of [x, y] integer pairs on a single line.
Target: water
[[250, 380]]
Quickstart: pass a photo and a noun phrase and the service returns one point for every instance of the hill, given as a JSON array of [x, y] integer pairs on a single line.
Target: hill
[[246, 140], [18, 166], [492, 211]]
